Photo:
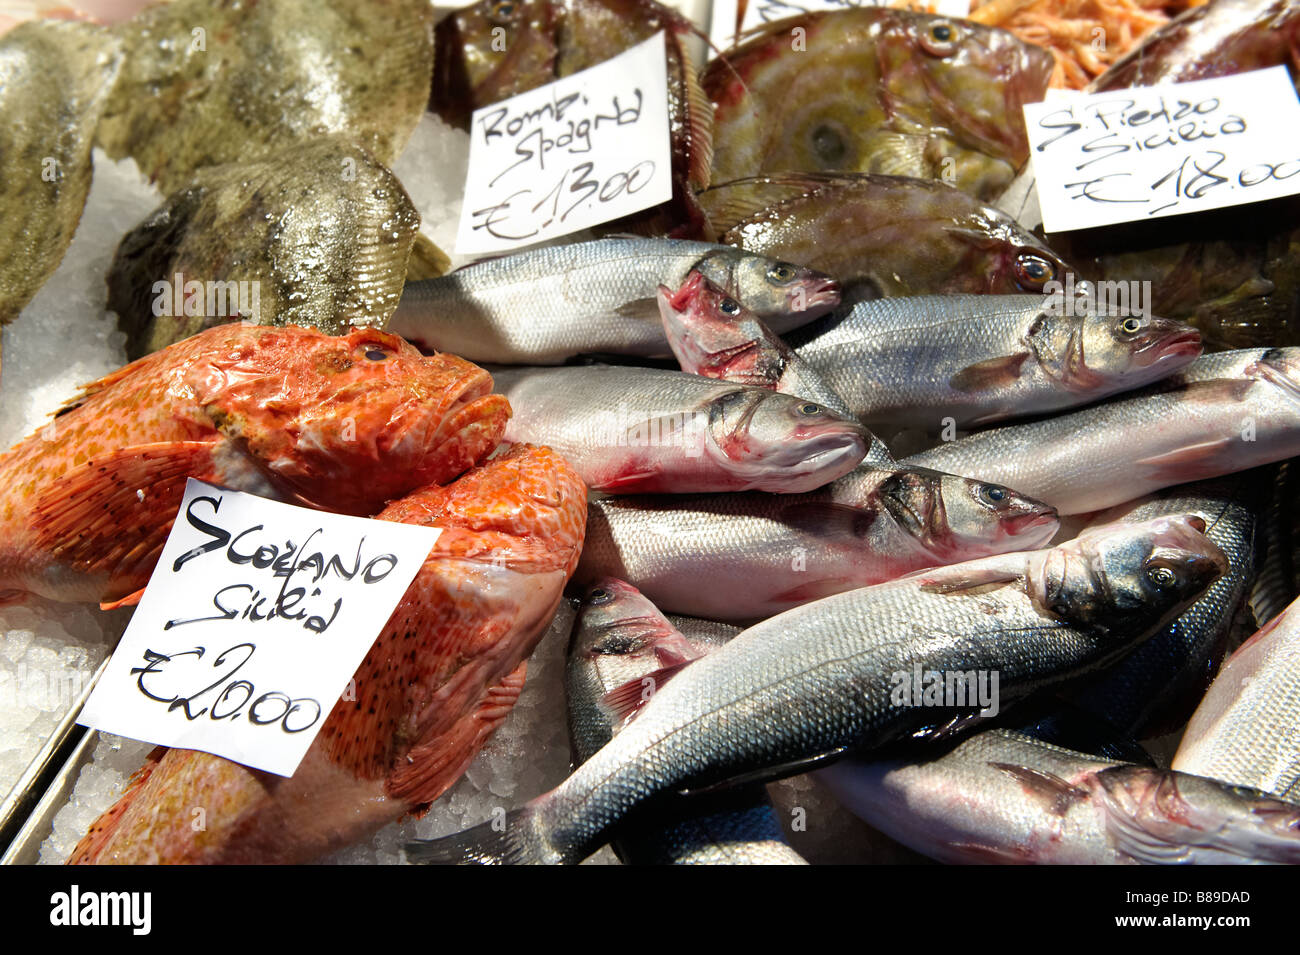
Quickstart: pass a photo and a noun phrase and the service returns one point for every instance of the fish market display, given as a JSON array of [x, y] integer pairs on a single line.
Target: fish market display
[[814, 682], [284, 240], [1001, 797], [54, 81], [545, 305], [1245, 731], [343, 423], [876, 90], [490, 51], [912, 362], [621, 640], [1224, 413], [204, 84], [1157, 686], [747, 556], [442, 675], [646, 430], [883, 236]]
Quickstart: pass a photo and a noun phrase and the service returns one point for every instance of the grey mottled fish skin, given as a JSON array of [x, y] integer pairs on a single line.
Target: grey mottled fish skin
[[731, 828], [55, 78], [816, 681], [741, 557], [543, 306], [628, 430], [912, 362], [1003, 797], [1192, 426], [1163, 679], [1247, 729]]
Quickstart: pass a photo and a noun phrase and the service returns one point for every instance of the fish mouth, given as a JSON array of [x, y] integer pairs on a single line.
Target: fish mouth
[[822, 296], [829, 454], [1038, 516], [1182, 345]]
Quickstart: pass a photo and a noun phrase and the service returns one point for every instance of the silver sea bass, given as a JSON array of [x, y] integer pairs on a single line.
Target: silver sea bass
[[747, 556], [1225, 412], [913, 362], [545, 305], [1247, 729], [620, 641], [815, 682], [648, 430], [1002, 797]]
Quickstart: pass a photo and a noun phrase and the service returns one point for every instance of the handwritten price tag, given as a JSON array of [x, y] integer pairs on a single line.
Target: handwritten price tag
[[1144, 153], [569, 155], [722, 24], [255, 619]]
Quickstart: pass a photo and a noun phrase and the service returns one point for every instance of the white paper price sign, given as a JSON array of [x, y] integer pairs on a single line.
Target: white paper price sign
[[722, 23], [583, 150], [1148, 152], [255, 619]]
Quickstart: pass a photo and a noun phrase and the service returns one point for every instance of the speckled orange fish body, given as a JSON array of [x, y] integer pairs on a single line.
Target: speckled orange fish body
[[442, 675], [345, 423]]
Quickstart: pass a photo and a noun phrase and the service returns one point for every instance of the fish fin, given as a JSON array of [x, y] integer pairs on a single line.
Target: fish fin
[[93, 388], [813, 590], [130, 600], [499, 841], [778, 771], [436, 762], [113, 513], [625, 701], [729, 204], [642, 309], [626, 481], [951, 727], [897, 154], [699, 115], [965, 579], [981, 854], [1191, 462], [1056, 793], [989, 375]]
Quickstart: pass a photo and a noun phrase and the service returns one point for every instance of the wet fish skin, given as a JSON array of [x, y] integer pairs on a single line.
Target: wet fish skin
[[1245, 730], [621, 638], [738, 557], [1156, 687], [545, 305], [876, 90], [884, 236], [912, 362], [443, 674], [54, 84], [1223, 413], [342, 423], [646, 430], [811, 683], [1001, 797]]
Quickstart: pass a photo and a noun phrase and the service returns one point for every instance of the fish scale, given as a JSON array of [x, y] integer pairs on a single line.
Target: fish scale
[[815, 681]]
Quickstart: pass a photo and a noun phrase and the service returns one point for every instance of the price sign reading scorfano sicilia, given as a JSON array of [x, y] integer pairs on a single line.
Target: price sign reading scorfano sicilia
[[254, 620]]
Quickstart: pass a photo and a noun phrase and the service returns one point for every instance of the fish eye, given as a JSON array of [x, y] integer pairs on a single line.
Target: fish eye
[[1033, 271], [600, 596], [1129, 327], [781, 273], [504, 9], [376, 354], [729, 306], [992, 494], [1162, 577], [940, 39], [808, 409]]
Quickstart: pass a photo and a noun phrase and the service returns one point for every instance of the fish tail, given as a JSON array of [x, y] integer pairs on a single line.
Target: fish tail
[[506, 839]]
